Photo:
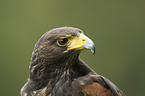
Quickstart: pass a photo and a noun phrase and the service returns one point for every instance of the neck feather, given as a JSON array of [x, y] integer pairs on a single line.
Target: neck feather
[[47, 72]]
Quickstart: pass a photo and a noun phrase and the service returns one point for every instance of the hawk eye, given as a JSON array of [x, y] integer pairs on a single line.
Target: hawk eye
[[62, 41]]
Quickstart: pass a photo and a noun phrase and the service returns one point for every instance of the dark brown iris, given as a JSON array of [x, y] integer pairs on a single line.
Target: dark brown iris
[[62, 42]]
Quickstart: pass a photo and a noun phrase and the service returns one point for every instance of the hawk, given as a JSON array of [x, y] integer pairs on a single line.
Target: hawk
[[57, 70]]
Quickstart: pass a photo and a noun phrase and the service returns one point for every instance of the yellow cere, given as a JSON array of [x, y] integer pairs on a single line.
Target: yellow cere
[[77, 42]]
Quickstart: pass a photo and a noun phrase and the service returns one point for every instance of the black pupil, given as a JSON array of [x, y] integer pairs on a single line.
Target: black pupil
[[62, 41]]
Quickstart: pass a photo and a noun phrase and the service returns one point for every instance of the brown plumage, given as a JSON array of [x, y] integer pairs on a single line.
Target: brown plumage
[[57, 70]]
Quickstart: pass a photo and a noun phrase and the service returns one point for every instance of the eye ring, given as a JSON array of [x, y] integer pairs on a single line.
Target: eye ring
[[62, 41]]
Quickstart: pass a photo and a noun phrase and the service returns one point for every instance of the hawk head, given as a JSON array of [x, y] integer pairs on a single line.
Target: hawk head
[[64, 41]]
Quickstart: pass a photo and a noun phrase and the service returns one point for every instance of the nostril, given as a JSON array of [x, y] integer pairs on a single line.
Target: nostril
[[83, 40]]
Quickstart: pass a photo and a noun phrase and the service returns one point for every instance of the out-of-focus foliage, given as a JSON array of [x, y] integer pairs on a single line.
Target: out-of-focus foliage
[[117, 28]]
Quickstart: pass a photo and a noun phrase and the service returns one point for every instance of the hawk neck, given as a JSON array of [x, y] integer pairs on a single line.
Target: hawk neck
[[48, 75]]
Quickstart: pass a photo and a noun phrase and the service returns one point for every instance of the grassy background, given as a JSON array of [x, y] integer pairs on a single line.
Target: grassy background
[[116, 27]]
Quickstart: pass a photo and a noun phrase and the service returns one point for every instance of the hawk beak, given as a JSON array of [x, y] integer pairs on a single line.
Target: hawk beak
[[89, 45], [81, 42]]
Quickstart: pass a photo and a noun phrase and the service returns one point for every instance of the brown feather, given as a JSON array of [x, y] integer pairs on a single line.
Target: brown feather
[[96, 89]]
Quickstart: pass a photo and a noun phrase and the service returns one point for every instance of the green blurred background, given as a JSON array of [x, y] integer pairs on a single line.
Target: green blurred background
[[117, 28]]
